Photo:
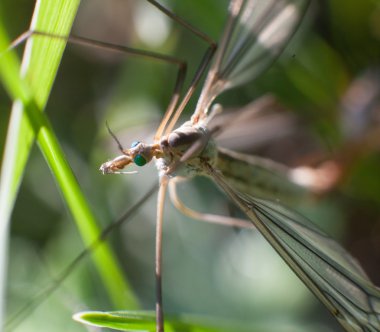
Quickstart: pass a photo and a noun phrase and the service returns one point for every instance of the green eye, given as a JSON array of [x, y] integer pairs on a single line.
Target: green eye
[[139, 160]]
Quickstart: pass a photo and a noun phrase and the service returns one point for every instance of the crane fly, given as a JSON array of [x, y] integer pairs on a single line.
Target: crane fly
[[255, 33]]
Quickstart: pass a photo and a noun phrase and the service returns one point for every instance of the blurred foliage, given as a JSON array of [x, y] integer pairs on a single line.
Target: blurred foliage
[[324, 77]]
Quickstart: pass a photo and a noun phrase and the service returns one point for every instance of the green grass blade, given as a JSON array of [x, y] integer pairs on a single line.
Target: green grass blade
[[39, 68], [8, 66], [146, 321]]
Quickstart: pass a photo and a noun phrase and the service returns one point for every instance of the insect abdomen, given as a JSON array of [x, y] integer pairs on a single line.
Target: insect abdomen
[[258, 176]]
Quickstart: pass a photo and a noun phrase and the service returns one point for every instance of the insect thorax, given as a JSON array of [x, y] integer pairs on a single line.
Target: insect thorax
[[191, 143]]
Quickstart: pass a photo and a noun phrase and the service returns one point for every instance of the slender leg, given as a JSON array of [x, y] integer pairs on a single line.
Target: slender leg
[[172, 113], [88, 42], [182, 22], [158, 261], [206, 217], [194, 83]]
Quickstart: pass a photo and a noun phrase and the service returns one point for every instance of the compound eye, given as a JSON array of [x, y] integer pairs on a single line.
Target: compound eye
[[139, 160], [135, 143]]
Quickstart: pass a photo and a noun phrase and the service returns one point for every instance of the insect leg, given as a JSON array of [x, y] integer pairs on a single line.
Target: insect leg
[[158, 260], [206, 217]]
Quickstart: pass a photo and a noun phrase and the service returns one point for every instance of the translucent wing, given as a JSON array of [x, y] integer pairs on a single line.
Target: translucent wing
[[256, 33], [321, 263], [260, 123]]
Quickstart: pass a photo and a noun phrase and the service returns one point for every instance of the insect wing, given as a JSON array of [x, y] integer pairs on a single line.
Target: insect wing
[[261, 122], [256, 33], [321, 263]]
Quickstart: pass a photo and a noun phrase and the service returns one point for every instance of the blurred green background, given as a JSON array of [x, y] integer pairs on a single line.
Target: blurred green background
[[329, 77]]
